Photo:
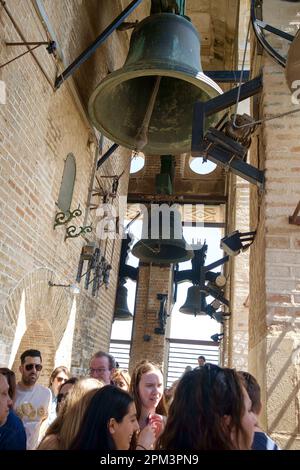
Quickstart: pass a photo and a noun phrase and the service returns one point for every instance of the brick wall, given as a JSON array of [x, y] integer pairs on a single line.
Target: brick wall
[[38, 129], [274, 337], [152, 280]]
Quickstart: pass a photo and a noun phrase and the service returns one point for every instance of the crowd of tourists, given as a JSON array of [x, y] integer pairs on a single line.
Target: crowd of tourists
[[208, 408]]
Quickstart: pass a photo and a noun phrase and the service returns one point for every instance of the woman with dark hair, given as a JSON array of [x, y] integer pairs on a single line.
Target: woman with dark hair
[[261, 440], [11, 379], [109, 422], [211, 410]]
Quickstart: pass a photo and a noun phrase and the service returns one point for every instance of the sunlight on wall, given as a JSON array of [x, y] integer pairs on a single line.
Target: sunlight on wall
[[63, 354], [20, 330]]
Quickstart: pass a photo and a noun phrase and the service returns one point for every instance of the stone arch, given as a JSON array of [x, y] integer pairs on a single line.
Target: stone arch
[[45, 312]]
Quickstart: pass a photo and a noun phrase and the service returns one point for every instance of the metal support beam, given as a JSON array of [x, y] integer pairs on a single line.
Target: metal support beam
[[216, 152], [106, 155], [228, 76], [214, 265], [215, 105], [229, 98], [228, 161], [94, 46]]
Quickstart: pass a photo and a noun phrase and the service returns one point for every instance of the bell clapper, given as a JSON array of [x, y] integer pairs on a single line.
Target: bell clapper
[[141, 137]]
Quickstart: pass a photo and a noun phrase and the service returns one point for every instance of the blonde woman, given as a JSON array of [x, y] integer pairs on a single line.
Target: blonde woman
[[64, 428], [58, 377], [121, 379]]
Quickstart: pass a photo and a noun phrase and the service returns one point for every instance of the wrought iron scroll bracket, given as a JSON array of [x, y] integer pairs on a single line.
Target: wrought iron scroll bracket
[[71, 231], [63, 218]]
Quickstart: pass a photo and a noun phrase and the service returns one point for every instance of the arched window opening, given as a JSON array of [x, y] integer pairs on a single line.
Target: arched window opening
[[137, 162], [201, 167], [67, 184]]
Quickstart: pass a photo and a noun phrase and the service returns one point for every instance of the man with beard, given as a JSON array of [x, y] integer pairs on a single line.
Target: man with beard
[[33, 401]]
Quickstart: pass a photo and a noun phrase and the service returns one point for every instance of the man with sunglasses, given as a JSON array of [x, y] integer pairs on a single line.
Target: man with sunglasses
[[33, 401]]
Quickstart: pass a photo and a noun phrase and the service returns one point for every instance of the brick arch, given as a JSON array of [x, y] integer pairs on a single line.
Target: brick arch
[[46, 311], [38, 335]]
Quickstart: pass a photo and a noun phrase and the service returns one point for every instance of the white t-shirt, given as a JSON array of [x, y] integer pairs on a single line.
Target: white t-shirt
[[33, 407]]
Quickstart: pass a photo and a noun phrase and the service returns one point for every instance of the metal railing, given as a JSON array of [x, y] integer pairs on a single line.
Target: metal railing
[[120, 349], [184, 352], [181, 353]]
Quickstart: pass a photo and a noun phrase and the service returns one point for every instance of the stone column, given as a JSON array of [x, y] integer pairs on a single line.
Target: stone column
[[238, 219]]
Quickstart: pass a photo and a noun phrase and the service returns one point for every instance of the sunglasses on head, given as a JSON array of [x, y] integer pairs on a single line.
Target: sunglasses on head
[[60, 379], [29, 367]]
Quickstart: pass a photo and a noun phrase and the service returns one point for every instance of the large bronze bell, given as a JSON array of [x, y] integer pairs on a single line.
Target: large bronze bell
[[162, 240], [292, 70], [148, 104], [122, 311], [195, 303]]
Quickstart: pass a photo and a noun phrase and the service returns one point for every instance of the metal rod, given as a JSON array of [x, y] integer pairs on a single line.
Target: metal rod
[[52, 284], [19, 56], [36, 43], [214, 265], [182, 198], [106, 155], [23, 38], [276, 31], [98, 41], [261, 38]]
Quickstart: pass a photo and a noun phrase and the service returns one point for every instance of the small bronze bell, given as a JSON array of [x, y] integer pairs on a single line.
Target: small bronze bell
[[195, 303]]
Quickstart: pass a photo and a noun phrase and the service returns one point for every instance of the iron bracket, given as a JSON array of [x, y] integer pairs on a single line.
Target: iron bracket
[[200, 273], [107, 154], [63, 218], [202, 110], [71, 231], [51, 48], [226, 153]]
